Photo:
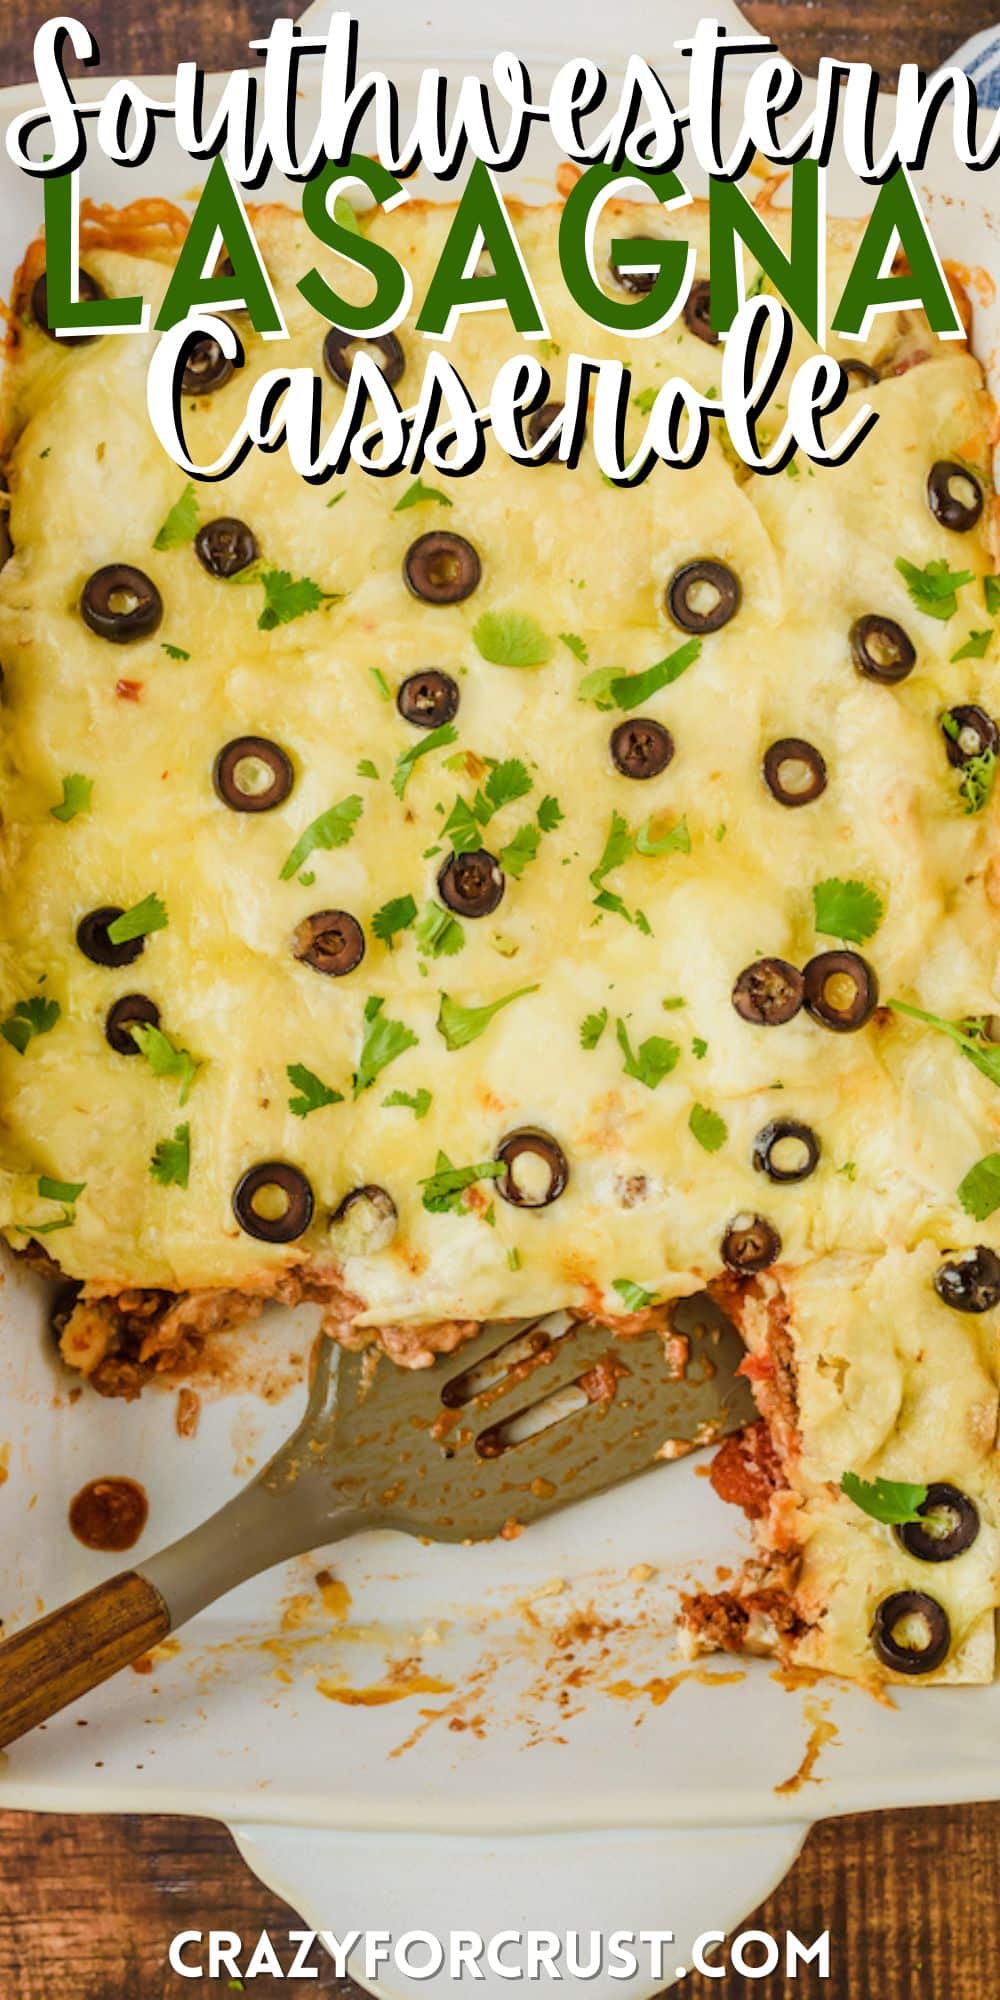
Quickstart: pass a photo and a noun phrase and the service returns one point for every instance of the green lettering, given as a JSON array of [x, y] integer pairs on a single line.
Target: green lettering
[[480, 210], [896, 214], [732, 219], [391, 282], [219, 208], [669, 254]]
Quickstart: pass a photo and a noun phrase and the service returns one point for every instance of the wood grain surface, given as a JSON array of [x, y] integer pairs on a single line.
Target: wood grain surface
[[88, 1905]]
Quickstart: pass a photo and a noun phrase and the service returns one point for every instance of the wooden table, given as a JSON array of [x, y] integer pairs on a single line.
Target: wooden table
[[87, 1906]]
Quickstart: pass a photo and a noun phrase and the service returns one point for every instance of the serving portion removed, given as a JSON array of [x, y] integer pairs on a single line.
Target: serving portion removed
[[454, 900]]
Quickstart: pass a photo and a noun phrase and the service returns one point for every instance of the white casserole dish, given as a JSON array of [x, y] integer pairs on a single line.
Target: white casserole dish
[[571, 1791]]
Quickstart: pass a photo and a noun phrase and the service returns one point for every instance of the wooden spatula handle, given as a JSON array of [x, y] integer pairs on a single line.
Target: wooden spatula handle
[[72, 1650]]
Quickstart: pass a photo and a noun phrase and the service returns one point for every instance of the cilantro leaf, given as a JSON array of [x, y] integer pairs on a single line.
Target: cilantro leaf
[[507, 781], [708, 1128], [333, 828], [596, 686], [346, 214], [395, 916], [181, 524], [36, 1016], [164, 1057], [444, 1188], [976, 646], [140, 921], [511, 639], [634, 690], [676, 841], [934, 589], [419, 1102], [381, 683], [435, 739], [66, 1191], [419, 495], [645, 399], [890, 1500], [848, 910], [174, 652], [171, 1161], [617, 848], [576, 645], [76, 792], [287, 597], [634, 1298], [979, 1191], [991, 594], [651, 1061], [592, 1028], [382, 1041], [366, 769], [438, 933], [314, 1092], [549, 814], [462, 828], [460, 1025], [515, 856]]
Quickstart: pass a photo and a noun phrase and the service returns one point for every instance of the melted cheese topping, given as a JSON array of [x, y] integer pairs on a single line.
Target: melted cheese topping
[[900, 1114]]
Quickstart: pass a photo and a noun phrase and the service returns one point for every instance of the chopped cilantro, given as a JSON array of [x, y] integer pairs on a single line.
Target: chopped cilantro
[[419, 1101], [460, 1025], [634, 1298], [462, 828], [676, 841], [171, 1161], [888, 1500], [935, 588], [366, 769], [444, 1188], [333, 828], [511, 639], [419, 495], [36, 1016], [991, 594], [435, 739], [617, 848], [346, 214], [314, 1093], [967, 1035], [181, 524], [382, 1041], [287, 597], [332, 502], [651, 1061], [438, 933], [549, 814], [517, 853], [577, 646], [699, 1050], [848, 910], [979, 1191], [708, 1128], [978, 772], [164, 1057], [645, 399], [670, 1006], [174, 652], [976, 646], [506, 782], [610, 688], [67, 1191], [592, 1028], [381, 683], [849, 1170], [395, 916], [76, 792], [513, 1258], [140, 921]]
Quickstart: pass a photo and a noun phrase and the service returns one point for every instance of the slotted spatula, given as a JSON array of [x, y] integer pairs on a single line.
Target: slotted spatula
[[529, 1416]]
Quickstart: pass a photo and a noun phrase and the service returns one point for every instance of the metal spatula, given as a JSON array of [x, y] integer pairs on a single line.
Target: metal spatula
[[527, 1417]]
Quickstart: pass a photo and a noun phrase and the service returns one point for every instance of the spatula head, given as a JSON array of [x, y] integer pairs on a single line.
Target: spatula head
[[529, 1416]]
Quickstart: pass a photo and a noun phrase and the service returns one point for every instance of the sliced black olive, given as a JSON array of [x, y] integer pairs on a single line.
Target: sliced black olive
[[635, 281], [703, 596], [537, 425], [273, 1201], [364, 1222], [441, 568], [882, 650], [339, 349], [926, 1632], [546, 1177], [121, 603], [332, 941], [948, 1525], [471, 884], [969, 1281], [794, 771], [225, 546], [954, 496], [859, 375], [697, 313], [95, 944], [768, 992], [841, 990], [750, 1244], [63, 1303], [975, 734], [641, 748], [87, 288], [428, 699], [132, 1010], [252, 775], [206, 368], [786, 1151]]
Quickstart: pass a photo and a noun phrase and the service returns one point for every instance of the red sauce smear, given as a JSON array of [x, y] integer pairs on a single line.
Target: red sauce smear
[[109, 1514], [746, 1471]]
